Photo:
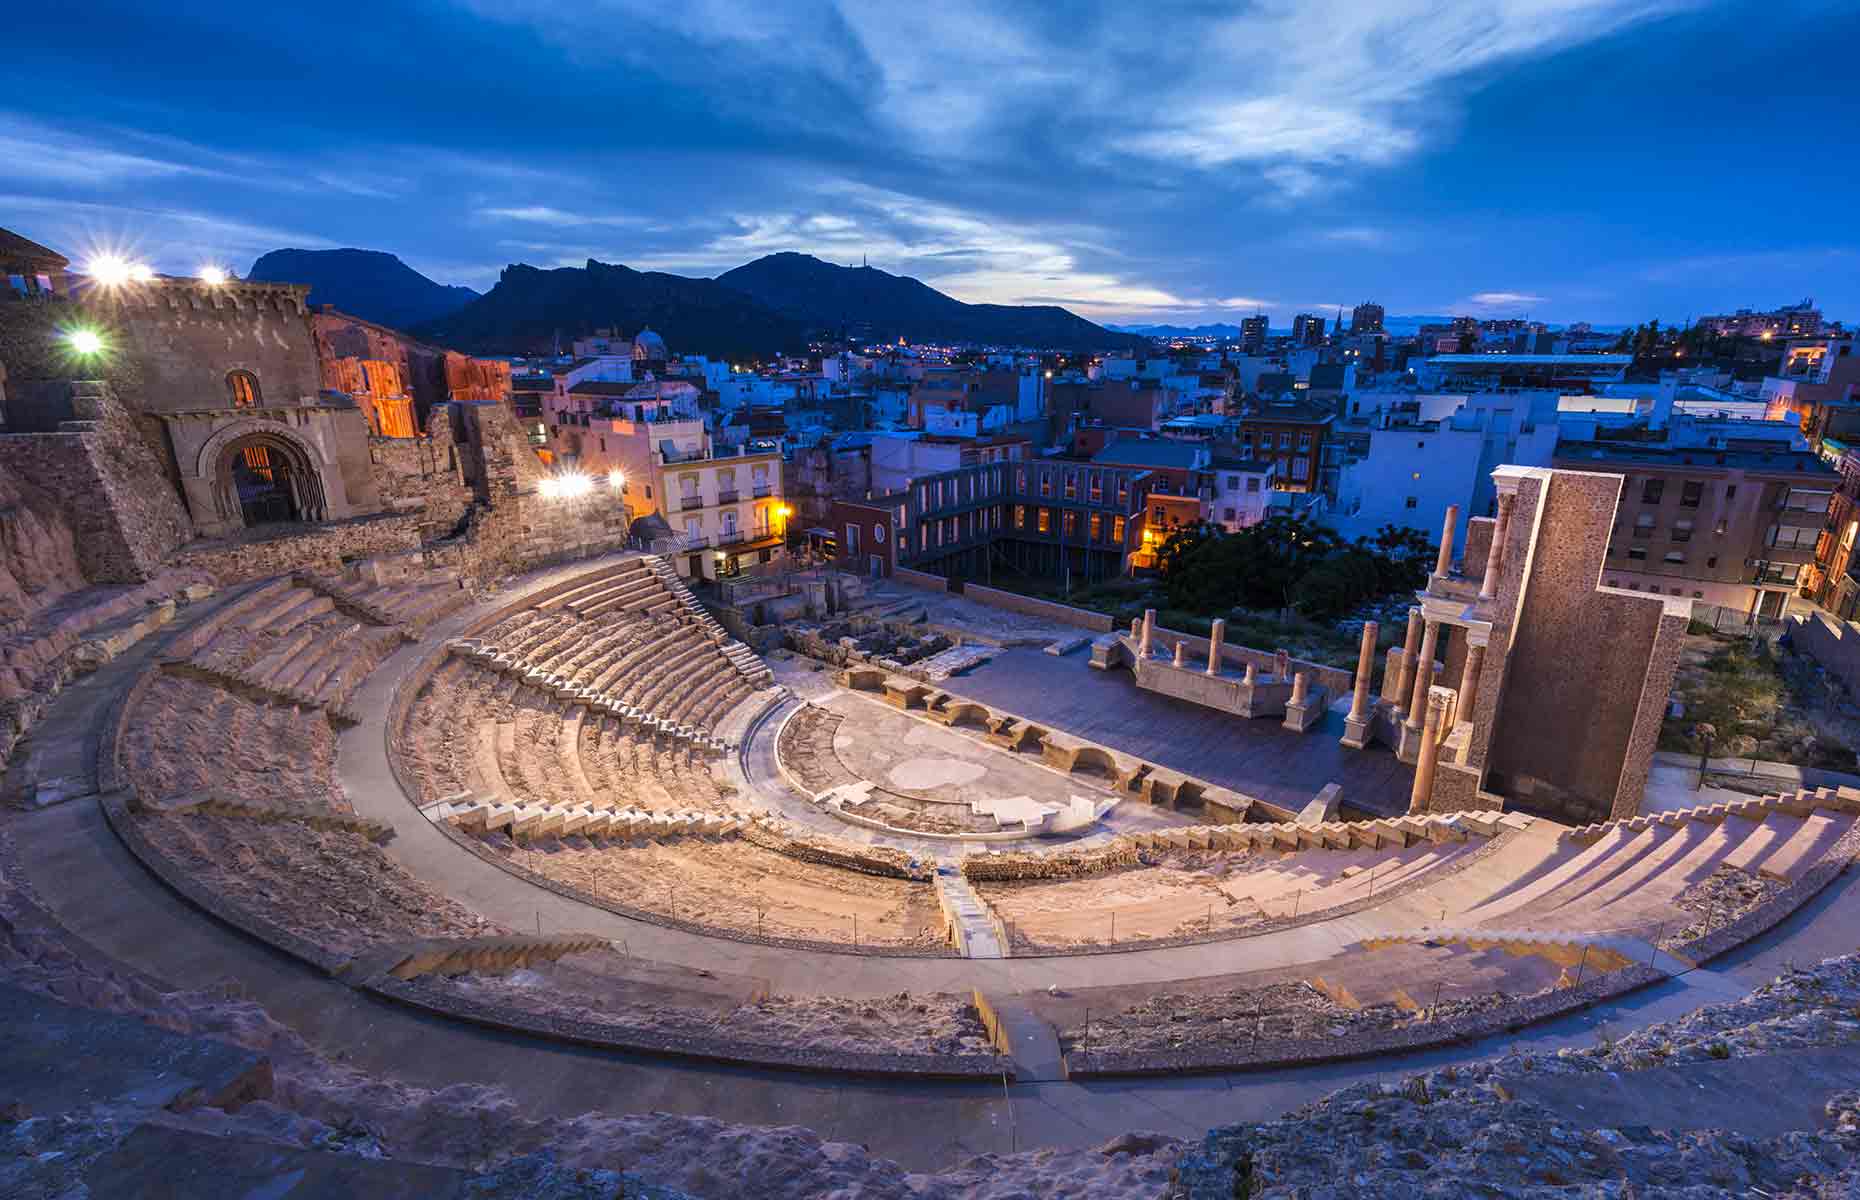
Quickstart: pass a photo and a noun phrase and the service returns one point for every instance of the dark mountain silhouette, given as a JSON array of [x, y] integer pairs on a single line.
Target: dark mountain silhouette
[[370, 284], [530, 307], [1216, 330], [869, 304]]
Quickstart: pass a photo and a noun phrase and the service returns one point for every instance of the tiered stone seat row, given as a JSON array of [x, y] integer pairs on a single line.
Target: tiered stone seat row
[[1629, 874], [187, 737], [536, 821]]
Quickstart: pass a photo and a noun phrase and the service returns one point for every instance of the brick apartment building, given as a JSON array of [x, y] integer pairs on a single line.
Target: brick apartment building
[[1289, 432], [1737, 528]]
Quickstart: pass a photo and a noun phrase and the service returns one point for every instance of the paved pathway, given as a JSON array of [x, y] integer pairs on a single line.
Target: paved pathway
[[99, 891]]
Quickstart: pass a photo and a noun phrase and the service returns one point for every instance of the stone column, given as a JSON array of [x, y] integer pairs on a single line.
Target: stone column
[[1427, 757], [1216, 636], [1444, 564], [1301, 687], [1391, 676], [1424, 676], [1495, 556], [1136, 627], [1252, 675], [1410, 654], [1365, 666], [1469, 683], [1149, 632], [1181, 652]]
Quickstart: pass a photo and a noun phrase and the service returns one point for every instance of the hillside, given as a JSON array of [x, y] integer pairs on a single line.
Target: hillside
[[868, 303], [530, 307], [370, 284]]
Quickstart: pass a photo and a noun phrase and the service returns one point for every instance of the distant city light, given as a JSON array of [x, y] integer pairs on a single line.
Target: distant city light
[[85, 341], [213, 276]]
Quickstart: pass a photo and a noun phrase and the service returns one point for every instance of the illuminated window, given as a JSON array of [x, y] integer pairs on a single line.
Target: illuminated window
[[1020, 516], [1071, 524], [1097, 527], [1117, 530], [1046, 520], [242, 388]]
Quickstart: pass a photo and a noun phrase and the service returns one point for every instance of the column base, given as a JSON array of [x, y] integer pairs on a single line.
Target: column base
[[1408, 743], [1301, 717], [1356, 733]]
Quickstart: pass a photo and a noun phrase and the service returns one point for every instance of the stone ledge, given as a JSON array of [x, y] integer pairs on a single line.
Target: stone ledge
[[1304, 1052], [615, 1035]]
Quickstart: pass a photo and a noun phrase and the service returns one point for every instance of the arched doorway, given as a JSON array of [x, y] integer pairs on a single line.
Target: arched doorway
[[264, 479]]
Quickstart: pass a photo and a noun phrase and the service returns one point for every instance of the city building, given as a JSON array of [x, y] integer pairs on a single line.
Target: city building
[[1307, 330], [1253, 333], [1290, 432], [1240, 489], [1734, 524], [1791, 320], [1815, 377], [1366, 318]]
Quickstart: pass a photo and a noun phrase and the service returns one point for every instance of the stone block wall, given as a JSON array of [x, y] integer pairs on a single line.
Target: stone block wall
[[1832, 643], [110, 491], [421, 475], [920, 579], [1046, 610], [321, 549]]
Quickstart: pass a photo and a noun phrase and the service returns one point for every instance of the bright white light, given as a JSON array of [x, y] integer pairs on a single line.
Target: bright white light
[[142, 273], [84, 341], [212, 276], [565, 487], [616, 479], [109, 270]]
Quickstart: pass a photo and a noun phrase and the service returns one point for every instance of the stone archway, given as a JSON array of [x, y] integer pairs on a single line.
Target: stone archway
[[264, 478]]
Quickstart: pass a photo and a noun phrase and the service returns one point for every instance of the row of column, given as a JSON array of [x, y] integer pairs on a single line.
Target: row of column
[[1494, 554]]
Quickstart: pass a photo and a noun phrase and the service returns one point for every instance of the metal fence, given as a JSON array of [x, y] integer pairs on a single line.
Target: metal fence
[[1736, 621]]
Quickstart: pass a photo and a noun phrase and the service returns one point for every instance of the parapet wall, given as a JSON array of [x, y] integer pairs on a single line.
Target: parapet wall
[[1048, 610], [920, 579], [1335, 679]]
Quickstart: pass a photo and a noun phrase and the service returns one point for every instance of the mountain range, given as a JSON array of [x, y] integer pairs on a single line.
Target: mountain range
[[370, 284], [773, 305]]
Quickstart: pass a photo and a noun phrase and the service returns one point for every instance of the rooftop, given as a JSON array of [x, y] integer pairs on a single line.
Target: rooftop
[[1532, 360], [1156, 452], [1577, 455]]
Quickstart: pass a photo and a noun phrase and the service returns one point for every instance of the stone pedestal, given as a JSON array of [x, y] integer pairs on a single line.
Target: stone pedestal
[[1216, 636], [1306, 706]]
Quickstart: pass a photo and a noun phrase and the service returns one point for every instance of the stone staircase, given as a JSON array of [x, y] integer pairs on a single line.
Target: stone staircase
[[1593, 953], [352, 604], [742, 657], [592, 699], [459, 956], [977, 931], [527, 822], [257, 690]]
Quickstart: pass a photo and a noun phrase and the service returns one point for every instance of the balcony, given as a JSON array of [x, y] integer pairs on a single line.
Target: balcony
[[761, 491], [729, 497]]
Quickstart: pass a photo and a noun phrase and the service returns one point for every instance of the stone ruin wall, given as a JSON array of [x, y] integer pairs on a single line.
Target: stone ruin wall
[[1050, 864], [106, 487], [38, 551]]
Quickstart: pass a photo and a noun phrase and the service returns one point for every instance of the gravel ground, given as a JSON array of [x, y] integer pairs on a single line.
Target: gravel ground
[[1719, 899]]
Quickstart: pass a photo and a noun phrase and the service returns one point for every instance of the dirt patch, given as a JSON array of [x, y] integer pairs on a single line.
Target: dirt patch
[[1762, 702], [1720, 898]]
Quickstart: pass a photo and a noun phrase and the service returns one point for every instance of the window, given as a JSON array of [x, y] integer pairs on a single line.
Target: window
[[1072, 484], [1698, 595], [1301, 468], [1643, 525], [1097, 527], [1156, 515], [1793, 537], [1117, 530], [1233, 483], [1682, 530], [1719, 528], [1730, 492], [1304, 442], [1801, 501], [1652, 490], [1711, 560], [852, 539], [1071, 523], [1675, 556], [1020, 516], [1410, 503], [242, 389], [1123, 490], [1046, 520], [1637, 553], [1690, 493], [1046, 483], [1285, 441], [1227, 514]]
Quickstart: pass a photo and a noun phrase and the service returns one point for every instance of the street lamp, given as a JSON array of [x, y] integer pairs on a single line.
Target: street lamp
[[85, 341], [213, 276]]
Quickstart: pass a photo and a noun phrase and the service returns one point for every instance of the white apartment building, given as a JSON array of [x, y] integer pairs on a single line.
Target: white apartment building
[[1239, 492]]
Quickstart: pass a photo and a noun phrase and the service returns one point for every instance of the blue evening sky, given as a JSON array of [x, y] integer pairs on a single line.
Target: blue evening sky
[[1608, 160]]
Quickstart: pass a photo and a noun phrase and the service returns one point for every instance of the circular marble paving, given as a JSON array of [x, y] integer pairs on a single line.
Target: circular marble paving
[[922, 774]]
